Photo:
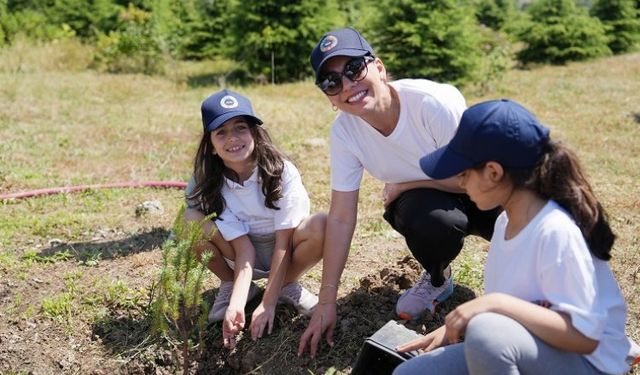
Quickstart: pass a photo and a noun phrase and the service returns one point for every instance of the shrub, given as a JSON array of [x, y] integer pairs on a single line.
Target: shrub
[[30, 23], [620, 18], [559, 31], [132, 48], [494, 13], [497, 59]]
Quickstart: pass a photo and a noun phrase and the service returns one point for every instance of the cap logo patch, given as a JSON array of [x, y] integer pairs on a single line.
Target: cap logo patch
[[328, 43], [228, 102]]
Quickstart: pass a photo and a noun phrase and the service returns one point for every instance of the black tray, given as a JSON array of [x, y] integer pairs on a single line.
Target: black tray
[[378, 356]]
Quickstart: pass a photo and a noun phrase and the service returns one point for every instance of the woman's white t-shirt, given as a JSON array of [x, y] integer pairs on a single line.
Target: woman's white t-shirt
[[429, 116], [549, 260]]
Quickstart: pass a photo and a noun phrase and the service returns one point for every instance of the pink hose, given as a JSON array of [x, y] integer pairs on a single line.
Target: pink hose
[[71, 189]]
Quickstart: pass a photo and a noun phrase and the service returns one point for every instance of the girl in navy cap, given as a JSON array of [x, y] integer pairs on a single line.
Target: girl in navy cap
[[551, 303], [385, 127], [262, 227]]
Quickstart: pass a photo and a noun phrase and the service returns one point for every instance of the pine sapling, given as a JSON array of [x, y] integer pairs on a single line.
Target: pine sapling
[[179, 312]]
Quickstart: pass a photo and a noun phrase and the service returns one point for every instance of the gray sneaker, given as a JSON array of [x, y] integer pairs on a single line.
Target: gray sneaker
[[296, 295], [223, 298], [422, 296]]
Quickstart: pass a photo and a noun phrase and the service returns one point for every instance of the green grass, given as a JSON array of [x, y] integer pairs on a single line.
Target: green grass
[[66, 126]]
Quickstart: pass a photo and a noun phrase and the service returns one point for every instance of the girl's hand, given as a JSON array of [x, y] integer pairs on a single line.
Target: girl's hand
[[456, 321], [261, 319], [427, 343], [231, 326]]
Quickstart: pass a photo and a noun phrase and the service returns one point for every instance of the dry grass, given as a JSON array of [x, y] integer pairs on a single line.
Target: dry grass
[[63, 127]]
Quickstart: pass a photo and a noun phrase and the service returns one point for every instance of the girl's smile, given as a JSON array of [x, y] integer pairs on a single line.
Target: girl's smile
[[233, 142]]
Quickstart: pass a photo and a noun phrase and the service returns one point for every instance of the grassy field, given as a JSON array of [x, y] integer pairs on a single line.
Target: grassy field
[[76, 270]]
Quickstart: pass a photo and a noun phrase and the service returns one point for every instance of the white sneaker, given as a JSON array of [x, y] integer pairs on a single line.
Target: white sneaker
[[223, 298], [295, 294], [422, 296]]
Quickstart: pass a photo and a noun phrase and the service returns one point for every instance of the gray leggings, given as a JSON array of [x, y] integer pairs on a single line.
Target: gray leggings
[[496, 344]]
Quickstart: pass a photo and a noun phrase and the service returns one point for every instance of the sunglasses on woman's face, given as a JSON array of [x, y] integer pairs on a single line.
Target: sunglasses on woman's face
[[355, 69]]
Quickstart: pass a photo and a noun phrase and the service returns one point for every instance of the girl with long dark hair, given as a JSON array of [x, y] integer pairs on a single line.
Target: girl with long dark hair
[[261, 227], [551, 303]]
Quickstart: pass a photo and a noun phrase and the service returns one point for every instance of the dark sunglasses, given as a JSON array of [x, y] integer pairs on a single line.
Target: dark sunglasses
[[355, 69]]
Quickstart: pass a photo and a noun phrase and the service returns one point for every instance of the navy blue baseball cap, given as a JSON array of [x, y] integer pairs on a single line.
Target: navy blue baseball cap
[[497, 130], [224, 105], [342, 42]]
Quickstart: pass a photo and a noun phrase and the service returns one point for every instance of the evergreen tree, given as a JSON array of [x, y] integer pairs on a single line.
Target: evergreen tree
[[435, 39], [495, 13], [559, 31], [86, 18], [620, 18], [273, 38], [205, 28], [178, 311]]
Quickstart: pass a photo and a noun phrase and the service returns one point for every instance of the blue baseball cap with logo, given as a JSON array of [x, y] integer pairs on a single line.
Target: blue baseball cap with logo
[[497, 130], [225, 105], [342, 42]]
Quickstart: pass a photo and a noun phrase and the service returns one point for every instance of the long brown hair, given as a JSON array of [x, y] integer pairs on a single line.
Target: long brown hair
[[559, 176], [209, 171]]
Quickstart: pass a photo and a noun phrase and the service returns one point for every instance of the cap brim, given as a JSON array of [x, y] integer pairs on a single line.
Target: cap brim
[[444, 163], [349, 52], [218, 121]]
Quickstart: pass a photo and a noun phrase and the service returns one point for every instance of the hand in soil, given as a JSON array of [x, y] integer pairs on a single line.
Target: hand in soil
[[261, 320], [231, 327], [323, 321]]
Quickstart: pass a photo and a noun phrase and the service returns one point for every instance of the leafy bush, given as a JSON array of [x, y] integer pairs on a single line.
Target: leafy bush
[[559, 31], [132, 48], [498, 57], [30, 23], [86, 18], [622, 23], [435, 39]]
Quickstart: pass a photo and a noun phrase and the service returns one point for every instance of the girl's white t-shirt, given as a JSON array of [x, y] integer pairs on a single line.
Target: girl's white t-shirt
[[245, 212], [429, 116], [549, 260]]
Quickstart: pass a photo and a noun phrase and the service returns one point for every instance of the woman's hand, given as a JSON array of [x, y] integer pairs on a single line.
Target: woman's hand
[[426, 343], [261, 319], [231, 326], [391, 192], [322, 322]]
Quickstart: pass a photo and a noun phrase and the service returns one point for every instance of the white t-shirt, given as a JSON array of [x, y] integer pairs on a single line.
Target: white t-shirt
[[245, 212], [549, 260], [429, 116]]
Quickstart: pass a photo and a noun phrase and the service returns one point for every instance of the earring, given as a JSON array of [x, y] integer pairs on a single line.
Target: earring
[[333, 106]]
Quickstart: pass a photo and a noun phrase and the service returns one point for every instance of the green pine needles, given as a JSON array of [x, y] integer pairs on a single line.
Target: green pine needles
[[178, 310]]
